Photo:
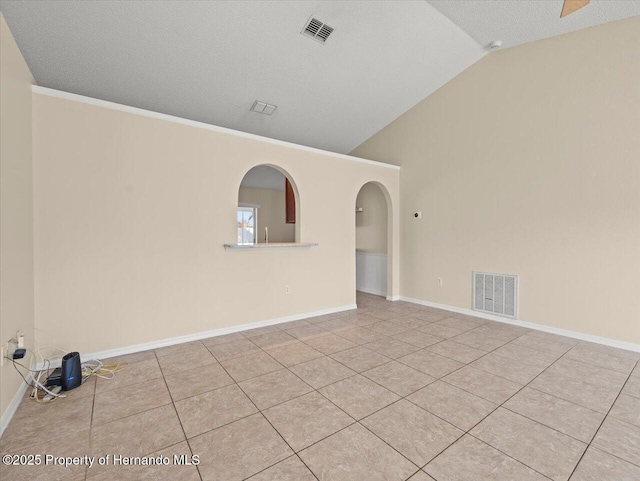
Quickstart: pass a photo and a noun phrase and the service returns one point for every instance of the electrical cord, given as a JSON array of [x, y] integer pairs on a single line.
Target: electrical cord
[[36, 376], [18, 371], [95, 367], [91, 368]]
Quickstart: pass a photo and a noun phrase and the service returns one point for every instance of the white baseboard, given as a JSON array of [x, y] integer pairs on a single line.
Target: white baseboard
[[629, 346], [393, 298], [13, 405], [375, 292], [10, 411], [216, 332]]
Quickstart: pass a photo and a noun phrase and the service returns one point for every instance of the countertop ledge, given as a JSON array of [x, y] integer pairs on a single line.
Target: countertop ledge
[[271, 245]]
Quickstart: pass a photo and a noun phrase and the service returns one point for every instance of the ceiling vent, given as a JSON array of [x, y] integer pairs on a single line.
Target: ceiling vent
[[263, 108], [317, 30]]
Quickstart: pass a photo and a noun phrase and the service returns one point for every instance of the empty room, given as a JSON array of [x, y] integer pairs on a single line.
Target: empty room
[[335, 240]]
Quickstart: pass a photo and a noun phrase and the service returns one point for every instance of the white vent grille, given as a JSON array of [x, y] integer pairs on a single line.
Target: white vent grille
[[496, 294], [317, 30], [263, 108]]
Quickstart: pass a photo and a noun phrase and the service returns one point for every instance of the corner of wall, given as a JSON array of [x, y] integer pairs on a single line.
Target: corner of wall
[[16, 211]]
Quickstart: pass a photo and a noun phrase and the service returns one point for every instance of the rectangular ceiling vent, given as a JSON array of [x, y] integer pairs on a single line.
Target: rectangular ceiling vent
[[496, 294], [263, 108], [317, 30]]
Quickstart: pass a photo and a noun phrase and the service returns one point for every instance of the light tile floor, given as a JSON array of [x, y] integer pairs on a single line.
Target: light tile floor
[[391, 391]]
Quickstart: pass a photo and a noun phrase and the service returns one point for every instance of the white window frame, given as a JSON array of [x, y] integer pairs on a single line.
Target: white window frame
[[253, 208]]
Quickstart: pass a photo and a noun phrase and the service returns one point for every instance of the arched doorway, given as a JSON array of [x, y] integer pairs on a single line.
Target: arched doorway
[[373, 240]]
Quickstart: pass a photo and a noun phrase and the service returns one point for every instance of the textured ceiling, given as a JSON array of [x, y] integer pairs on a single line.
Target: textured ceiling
[[209, 61], [521, 21]]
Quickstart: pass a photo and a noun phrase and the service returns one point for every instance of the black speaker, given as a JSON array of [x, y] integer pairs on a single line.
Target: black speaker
[[71, 371]]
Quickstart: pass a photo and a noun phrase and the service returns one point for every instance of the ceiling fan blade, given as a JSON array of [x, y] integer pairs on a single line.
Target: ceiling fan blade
[[571, 6]]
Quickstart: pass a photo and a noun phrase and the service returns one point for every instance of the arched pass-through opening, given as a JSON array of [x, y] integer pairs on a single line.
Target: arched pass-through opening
[[268, 209], [373, 240]]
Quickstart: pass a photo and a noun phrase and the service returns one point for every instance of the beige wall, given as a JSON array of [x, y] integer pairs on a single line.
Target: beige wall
[[271, 214], [371, 223], [16, 214], [528, 163], [131, 214]]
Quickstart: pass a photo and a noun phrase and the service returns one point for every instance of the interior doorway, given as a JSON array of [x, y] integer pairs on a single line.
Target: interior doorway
[[372, 240]]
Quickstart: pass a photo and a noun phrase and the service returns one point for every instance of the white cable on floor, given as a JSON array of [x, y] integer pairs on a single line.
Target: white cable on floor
[[92, 367]]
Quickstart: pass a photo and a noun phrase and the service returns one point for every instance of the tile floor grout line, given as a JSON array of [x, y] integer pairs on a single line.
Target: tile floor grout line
[[222, 425], [492, 411], [294, 455], [93, 407], [329, 435], [398, 394], [134, 414], [435, 415], [321, 387], [279, 434], [510, 397], [266, 374], [356, 421], [492, 447], [310, 470], [472, 427], [151, 409], [596, 365], [234, 357], [257, 376], [509, 456], [336, 352], [499, 405], [387, 336], [143, 455], [386, 362], [207, 391], [614, 456], [565, 400], [297, 397], [401, 398], [441, 378], [265, 418], [175, 410], [543, 424], [385, 442], [600, 427]]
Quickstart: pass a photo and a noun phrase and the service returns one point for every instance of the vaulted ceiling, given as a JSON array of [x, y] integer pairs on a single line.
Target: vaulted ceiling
[[520, 21], [210, 60]]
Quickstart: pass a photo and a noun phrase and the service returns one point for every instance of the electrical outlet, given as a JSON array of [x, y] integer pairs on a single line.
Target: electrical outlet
[[5, 352], [440, 282], [287, 289]]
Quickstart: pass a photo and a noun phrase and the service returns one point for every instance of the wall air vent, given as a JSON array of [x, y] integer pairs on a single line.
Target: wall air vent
[[317, 30], [496, 294]]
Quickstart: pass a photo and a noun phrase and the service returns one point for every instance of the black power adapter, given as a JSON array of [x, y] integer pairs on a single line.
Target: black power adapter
[[55, 378], [19, 353]]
